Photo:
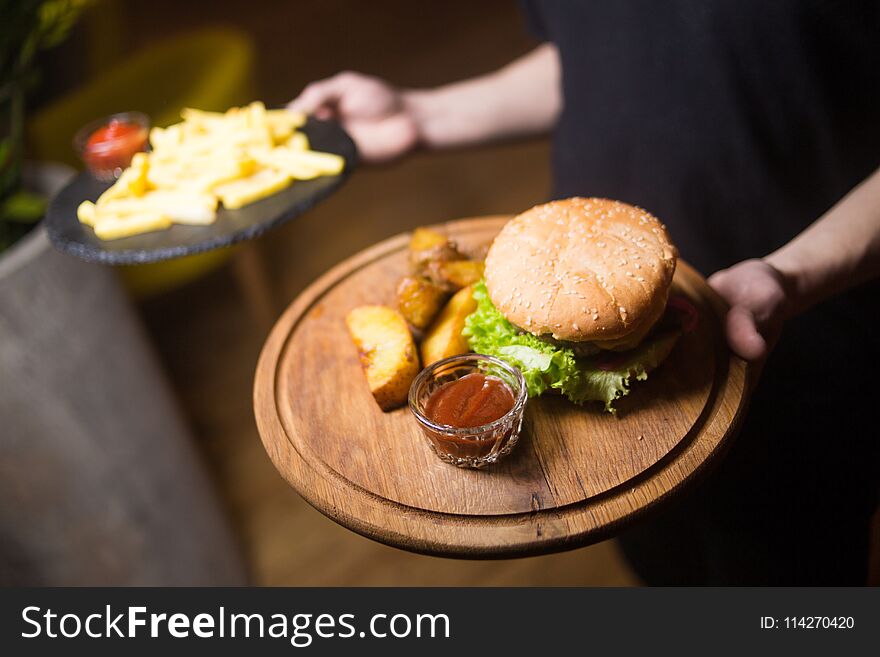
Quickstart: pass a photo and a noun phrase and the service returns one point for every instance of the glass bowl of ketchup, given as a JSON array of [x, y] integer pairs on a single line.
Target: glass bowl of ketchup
[[470, 408], [107, 145]]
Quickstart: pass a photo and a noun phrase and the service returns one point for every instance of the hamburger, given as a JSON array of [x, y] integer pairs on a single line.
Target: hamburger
[[576, 294]]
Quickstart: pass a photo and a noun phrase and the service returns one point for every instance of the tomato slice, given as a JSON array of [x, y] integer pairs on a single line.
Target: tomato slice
[[686, 311], [680, 313]]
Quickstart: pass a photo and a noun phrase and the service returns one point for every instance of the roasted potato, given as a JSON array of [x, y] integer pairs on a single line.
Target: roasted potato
[[387, 352], [419, 301], [444, 338], [428, 249], [461, 273], [435, 257], [424, 239]]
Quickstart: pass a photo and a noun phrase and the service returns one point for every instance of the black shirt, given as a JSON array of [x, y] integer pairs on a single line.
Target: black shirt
[[738, 123]]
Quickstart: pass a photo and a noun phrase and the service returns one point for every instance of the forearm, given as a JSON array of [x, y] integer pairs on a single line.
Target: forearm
[[520, 99], [840, 250]]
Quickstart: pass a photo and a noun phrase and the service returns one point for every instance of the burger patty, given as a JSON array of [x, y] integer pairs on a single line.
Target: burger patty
[[580, 349], [679, 314]]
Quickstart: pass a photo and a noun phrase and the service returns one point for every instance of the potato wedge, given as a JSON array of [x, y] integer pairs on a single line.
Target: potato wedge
[[387, 351], [424, 238], [419, 301], [428, 249], [444, 338], [461, 273]]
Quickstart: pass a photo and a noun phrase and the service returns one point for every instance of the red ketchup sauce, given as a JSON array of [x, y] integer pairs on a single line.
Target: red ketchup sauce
[[112, 146], [471, 401]]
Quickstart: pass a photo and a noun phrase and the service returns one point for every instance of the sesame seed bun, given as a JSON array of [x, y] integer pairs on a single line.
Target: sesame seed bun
[[582, 270]]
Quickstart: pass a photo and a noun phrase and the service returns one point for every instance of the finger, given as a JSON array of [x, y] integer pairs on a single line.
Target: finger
[[314, 97], [724, 283], [743, 336], [382, 141], [323, 93], [325, 113], [716, 280]]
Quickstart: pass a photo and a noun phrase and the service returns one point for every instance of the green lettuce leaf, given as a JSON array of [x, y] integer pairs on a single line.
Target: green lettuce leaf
[[546, 366]]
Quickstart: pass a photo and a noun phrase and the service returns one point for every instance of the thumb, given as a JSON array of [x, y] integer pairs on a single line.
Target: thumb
[[743, 335]]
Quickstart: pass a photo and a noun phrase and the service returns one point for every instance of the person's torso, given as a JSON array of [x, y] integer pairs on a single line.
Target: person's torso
[[737, 122]]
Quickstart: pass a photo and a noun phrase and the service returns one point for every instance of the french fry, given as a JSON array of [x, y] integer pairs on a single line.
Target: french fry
[[86, 213], [117, 227], [300, 164], [229, 171], [263, 183], [279, 160], [201, 119], [166, 138], [328, 164], [298, 142], [286, 117], [181, 207], [132, 182], [234, 157], [283, 123]]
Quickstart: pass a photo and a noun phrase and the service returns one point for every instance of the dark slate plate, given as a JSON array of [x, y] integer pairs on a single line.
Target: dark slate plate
[[232, 226]]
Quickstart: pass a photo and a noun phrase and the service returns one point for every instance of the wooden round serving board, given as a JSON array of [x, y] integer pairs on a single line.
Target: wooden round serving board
[[577, 475]]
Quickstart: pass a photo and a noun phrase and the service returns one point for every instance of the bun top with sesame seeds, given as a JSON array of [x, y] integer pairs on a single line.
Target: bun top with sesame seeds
[[582, 270]]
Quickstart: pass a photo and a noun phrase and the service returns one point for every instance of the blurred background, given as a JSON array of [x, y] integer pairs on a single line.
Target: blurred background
[[206, 320]]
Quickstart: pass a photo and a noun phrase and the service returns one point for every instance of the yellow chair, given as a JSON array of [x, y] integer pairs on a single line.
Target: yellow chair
[[209, 69]]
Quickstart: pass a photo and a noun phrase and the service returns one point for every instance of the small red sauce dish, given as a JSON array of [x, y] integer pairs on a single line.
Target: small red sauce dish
[[107, 145], [470, 408]]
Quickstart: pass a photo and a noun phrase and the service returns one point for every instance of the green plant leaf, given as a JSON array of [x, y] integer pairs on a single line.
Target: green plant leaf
[[5, 150], [23, 208]]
